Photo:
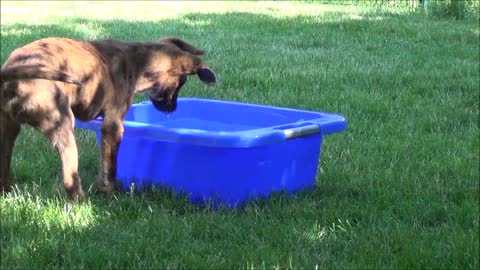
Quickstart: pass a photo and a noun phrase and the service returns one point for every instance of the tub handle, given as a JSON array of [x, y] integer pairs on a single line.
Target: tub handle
[[296, 132]]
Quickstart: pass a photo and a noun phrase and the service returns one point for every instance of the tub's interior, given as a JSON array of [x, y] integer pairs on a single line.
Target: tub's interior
[[218, 116]]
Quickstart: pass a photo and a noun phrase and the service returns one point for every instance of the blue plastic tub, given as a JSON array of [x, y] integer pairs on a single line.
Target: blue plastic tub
[[221, 152]]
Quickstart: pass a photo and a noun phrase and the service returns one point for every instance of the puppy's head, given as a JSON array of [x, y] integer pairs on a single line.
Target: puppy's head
[[167, 69]]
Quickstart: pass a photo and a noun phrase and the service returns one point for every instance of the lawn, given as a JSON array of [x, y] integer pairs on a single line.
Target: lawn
[[398, 189]]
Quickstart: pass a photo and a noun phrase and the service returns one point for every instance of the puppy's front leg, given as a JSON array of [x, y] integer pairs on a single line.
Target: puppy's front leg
[[8, 133], [112, 132]]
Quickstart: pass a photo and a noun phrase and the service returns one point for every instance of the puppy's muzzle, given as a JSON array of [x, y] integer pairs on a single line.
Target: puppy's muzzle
[[163, 104], [164, 99]]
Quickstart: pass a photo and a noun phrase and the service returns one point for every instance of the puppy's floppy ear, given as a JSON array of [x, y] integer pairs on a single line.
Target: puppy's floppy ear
[[191, 64], [182, 45], [207, 75]]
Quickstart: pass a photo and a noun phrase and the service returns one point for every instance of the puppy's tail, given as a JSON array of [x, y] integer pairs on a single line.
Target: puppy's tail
[[35, 72]]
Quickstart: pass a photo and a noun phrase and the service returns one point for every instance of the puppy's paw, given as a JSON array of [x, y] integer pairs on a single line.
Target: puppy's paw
[[106, 187], [76, 195], [5, 186], [5, 189]]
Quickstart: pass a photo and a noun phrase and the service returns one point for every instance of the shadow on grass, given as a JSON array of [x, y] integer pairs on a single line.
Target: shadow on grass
[[210, 31]]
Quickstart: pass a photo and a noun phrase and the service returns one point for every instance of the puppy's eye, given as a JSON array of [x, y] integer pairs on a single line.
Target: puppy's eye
[[151, 75]]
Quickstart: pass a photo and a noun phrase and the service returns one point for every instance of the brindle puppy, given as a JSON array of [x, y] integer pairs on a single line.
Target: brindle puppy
[[50, 82]]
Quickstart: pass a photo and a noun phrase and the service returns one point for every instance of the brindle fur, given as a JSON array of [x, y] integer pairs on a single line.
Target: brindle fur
[[50, 82]]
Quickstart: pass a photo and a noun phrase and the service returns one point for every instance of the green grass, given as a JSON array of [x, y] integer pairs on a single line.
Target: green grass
[[398, 189]]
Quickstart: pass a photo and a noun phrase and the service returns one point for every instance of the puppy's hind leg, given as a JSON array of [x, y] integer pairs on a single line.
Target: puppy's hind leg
[[63, 139], [9, 130], [57, 124]]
